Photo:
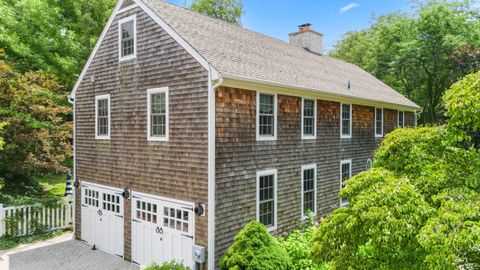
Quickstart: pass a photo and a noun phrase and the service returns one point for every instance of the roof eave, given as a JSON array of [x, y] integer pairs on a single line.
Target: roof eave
[[265, 85]]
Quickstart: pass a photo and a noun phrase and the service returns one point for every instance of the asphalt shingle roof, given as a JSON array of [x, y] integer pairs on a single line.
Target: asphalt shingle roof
[[239, 52]]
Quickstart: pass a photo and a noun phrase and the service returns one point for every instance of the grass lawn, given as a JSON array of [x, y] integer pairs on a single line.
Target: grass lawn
[[53, 184]]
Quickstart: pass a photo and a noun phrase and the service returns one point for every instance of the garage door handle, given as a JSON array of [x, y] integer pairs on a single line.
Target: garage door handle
[[189, 236]]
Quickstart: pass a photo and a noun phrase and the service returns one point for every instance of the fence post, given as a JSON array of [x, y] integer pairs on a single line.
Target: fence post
[[2, 220]]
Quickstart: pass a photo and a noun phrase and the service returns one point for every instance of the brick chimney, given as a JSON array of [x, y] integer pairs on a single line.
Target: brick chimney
[[308, 39]]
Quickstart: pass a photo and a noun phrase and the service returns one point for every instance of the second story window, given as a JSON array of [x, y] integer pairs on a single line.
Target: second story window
[[378, 122], [345, 120], [401, 119], [102, 117], [158, 114], [266, 116], [127, 38], [309, 124]]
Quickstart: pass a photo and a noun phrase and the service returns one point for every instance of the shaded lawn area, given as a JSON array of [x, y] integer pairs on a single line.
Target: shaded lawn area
[[53, 185]]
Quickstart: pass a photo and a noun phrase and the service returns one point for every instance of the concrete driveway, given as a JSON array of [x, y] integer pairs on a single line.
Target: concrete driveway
[[66, 255]]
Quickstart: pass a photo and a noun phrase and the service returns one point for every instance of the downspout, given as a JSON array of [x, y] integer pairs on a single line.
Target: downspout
[[211, 168], [71, 100]]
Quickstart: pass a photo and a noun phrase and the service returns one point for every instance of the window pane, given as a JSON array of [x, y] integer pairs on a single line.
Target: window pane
[[346, 119], [266, 115], [102, 117], [127, 35], [379, 122], [157, 114], [266, 200]]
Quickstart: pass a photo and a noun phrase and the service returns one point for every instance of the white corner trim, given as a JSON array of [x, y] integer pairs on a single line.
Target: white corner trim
[[149, 112], [346, 136], [95, 49], [345, 161], [275, 123], [308, 167], [275, 174], [308, 136], [120, 22], [376, 134], [214, 73], [211, 170], [97, 98]]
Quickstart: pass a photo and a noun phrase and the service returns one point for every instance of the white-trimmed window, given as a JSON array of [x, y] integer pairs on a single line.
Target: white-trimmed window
[[267, 198], [401, 119], [127, 37], [309, 190], [345, 120], [102, 117], [378, 122], [309, 123], [266, 116], [345, 174], [158, 114]]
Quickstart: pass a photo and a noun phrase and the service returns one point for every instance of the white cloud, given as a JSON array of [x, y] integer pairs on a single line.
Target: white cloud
[[348, 7]]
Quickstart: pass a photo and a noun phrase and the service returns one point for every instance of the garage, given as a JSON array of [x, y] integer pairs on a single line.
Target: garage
[[102, 218], [162, 230]]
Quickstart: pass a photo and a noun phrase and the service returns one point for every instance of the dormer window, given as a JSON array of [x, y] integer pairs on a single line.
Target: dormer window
[[127, 38]]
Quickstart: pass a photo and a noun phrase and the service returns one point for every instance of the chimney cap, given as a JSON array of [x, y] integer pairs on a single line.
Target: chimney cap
[[305, 24]]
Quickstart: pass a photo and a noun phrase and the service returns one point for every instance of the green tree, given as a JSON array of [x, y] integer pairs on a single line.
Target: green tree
[[379, 228], [255, 248], [230, 11], [417, 54], [417, 209], [462, 102], [55, 36], [38, 131]]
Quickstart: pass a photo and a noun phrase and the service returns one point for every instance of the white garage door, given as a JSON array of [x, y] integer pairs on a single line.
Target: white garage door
[[102, 218], [162, 230]]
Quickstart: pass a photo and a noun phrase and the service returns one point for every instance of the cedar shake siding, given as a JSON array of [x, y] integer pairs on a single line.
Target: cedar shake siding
[[239, 156], [173, 169]]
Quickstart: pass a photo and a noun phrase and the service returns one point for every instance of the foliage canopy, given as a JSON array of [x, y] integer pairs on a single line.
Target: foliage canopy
[[38, 130], [230, 11], [421, 54]]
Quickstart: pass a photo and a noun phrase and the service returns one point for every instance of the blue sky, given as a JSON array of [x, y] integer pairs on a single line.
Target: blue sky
[[333, 18]]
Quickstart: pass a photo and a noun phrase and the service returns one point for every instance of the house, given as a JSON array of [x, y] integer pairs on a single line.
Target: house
[[187, 127]]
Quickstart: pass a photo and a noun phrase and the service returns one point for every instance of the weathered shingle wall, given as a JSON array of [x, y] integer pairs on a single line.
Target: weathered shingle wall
[[174, 169], [239, 156]]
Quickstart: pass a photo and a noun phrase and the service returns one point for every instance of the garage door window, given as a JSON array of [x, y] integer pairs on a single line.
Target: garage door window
[[111, 203], [147, 211], [91, 197], [175, 219]]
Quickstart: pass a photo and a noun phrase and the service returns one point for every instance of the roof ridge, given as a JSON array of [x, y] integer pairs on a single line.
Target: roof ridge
[[240, 27]]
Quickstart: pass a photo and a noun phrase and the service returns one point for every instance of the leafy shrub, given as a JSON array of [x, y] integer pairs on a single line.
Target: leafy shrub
[[408, 151], [171, 265], [462, 102], [255, 249], [378, 229], [298, 245]]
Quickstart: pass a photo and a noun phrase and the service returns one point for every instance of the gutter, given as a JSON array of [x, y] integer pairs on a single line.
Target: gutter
[[327, 95], [212, 75]]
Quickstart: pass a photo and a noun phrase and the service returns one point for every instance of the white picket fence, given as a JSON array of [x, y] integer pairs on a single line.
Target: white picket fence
[[27, 219]]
